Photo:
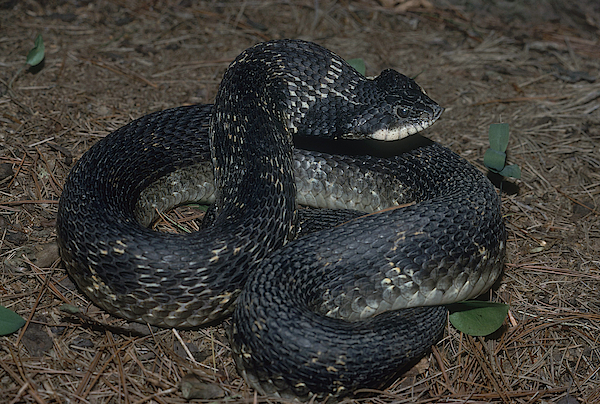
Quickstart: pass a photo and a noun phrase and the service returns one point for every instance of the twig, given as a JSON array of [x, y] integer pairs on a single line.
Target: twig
[[19, 167], [27, 201], [518, 99], [120, 71], [594, 211]]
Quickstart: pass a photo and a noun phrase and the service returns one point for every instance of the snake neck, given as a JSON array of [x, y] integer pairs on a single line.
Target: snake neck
[[252, 151], [265, 96]]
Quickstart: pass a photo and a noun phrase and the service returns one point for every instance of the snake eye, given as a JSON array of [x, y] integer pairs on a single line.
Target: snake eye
[[402, 112]]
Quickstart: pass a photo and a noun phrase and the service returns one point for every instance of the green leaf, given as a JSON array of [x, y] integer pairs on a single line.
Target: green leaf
[[512, 170], [494, 159], [69, 308], [203, 208], [498, 135], [358, 65], [36, 55], [477, 318], [10, 321]]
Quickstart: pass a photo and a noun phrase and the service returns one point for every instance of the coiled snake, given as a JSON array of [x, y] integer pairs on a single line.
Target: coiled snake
[[318, 315]]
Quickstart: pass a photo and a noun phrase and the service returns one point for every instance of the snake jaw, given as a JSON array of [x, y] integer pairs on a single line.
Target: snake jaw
[[410, 128]]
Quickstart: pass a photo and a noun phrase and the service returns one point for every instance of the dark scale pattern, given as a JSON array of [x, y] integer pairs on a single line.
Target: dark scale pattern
[[296, 330], [447, 247]]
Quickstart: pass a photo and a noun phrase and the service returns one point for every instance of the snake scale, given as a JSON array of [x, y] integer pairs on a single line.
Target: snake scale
[[326, 299]]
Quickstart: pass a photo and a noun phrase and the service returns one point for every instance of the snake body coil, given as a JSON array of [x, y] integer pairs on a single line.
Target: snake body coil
[[319, 314]]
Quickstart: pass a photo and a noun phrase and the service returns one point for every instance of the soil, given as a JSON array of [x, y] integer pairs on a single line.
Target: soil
[[531, 64]]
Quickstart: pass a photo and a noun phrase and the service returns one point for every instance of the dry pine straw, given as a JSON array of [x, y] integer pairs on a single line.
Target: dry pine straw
[[108, 63]]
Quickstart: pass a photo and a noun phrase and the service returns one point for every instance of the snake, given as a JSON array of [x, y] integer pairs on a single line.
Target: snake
[[333, 267]]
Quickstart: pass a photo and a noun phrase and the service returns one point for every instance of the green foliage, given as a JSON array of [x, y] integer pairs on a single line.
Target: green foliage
[[36, 54], [34, 58], [203, 208], [69, 308], [10, 321], [495, 156], [358, 65], [494, 160], [477, 318], [499, 135]]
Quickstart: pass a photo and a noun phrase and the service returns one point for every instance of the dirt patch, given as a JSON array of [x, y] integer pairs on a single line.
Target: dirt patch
[[534, 65]]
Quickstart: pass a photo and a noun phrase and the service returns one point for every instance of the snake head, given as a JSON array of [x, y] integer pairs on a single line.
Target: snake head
[[400, 108]]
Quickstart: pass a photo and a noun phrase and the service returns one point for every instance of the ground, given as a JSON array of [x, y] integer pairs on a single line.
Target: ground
[[531, 64]]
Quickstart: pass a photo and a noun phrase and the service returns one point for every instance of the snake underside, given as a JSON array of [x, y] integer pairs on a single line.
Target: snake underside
[[325, 301]]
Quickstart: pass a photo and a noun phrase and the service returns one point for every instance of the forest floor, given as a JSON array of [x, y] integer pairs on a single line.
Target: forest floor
[[533, 65]]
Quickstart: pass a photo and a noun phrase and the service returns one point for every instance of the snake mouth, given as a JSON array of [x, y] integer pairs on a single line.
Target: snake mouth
[[410, 127]]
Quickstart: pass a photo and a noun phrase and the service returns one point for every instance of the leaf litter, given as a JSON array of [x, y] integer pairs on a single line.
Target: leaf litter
[[534, 67]]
